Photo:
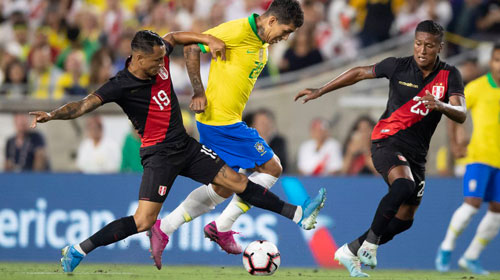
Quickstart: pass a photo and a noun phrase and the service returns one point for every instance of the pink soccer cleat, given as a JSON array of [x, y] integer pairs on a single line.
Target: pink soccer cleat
[[158, 240], [224, 239]]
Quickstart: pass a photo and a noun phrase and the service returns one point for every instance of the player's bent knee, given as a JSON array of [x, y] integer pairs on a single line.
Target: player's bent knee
[[403, 189], [272, 167], [221, 191], [231, 180], [474, 201], [144, 222], [494, 207]]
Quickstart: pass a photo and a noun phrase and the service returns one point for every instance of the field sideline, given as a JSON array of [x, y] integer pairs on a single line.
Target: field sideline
[[52, 271]]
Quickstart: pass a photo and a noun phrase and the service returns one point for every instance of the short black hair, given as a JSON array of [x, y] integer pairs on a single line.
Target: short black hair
[[431, 27], [286, 12], [145, 40], [496, 46]]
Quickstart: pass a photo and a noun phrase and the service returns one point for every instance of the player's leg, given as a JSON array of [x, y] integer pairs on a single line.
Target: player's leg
[[142, 220], [265, 175], [157, 179], [488, 227], [350, 261], [260, 197], [402, 187], [474, 187], [240, 147]]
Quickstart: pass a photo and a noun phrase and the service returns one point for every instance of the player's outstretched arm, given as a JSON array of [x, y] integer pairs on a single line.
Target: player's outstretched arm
[[70, 110], [192, 57], [347, 78], [455, 109], [215, 45]]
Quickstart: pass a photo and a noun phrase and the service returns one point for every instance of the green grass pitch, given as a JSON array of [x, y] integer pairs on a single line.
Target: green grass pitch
[[52, 271]]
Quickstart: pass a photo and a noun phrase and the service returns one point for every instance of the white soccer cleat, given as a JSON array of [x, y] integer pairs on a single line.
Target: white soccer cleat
[[367, 254], [349, 261]]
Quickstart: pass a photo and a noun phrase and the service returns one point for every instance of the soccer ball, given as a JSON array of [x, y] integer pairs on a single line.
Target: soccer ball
[[261, 257]]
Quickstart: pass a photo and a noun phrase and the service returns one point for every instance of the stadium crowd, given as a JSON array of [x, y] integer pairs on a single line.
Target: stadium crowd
[[59, 50]]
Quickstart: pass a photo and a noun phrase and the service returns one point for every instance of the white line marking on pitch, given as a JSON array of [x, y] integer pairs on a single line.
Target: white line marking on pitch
[[103, 273]]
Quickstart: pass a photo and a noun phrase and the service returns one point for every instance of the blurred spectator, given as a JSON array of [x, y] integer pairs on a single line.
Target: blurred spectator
[[77, 43], [75, 80], [7, 27], [470, 69], [25, 151], [357, 154], [40, 40], [56, 29], [101, 68], [97, 154], [378, 20], [123, 51], [465, 13], [87, 20], [321, 155], [264, 122], [161, 19], [336, 37], [302, 52], [488, 23], [43, 75], [242, 8], [113, 19], [131, 160], [415, 11], [217, 14], [20, 43], [15, 85]]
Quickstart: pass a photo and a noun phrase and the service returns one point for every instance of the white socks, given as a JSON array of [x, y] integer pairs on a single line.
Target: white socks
[[298, 214], [237, 206], [459, 221], [198, 202], [79, 249], [486, 231]]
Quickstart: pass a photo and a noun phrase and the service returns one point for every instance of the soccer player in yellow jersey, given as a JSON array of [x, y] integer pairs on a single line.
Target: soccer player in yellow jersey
[[482, 176], [219, 111]]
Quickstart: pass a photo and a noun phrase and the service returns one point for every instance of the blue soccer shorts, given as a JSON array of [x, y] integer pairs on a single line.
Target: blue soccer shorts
[[482, 181], [237, 144]]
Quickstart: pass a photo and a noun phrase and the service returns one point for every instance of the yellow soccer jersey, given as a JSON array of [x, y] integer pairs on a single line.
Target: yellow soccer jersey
[[230, 82], [482, 97]]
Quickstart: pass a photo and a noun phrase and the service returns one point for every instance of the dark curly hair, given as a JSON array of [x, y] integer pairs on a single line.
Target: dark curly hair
[[286, 12]]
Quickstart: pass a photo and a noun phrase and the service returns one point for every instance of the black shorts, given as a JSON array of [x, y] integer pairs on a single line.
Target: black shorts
[[162, 164], [386, 156]]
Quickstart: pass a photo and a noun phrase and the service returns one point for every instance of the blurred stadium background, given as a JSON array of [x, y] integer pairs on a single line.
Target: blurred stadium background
[[52, 52]]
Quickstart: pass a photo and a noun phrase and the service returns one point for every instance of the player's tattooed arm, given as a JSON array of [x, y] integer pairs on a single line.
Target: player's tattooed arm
[[192, 56], [70, 110], [347, 78]]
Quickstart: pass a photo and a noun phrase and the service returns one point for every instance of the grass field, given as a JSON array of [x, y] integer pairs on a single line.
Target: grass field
[[52, 271]]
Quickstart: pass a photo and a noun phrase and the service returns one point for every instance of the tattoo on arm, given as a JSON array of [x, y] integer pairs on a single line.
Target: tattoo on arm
[[192, 57], [75, 109], [223, 171]]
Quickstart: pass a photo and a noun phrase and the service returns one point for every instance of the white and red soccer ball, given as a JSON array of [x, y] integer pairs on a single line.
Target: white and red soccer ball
[[261, 257]]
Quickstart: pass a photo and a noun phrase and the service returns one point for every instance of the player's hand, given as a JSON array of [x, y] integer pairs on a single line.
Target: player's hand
[[40, 117], [198, 104], [431, 102], [217, 46], [309, 93]]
